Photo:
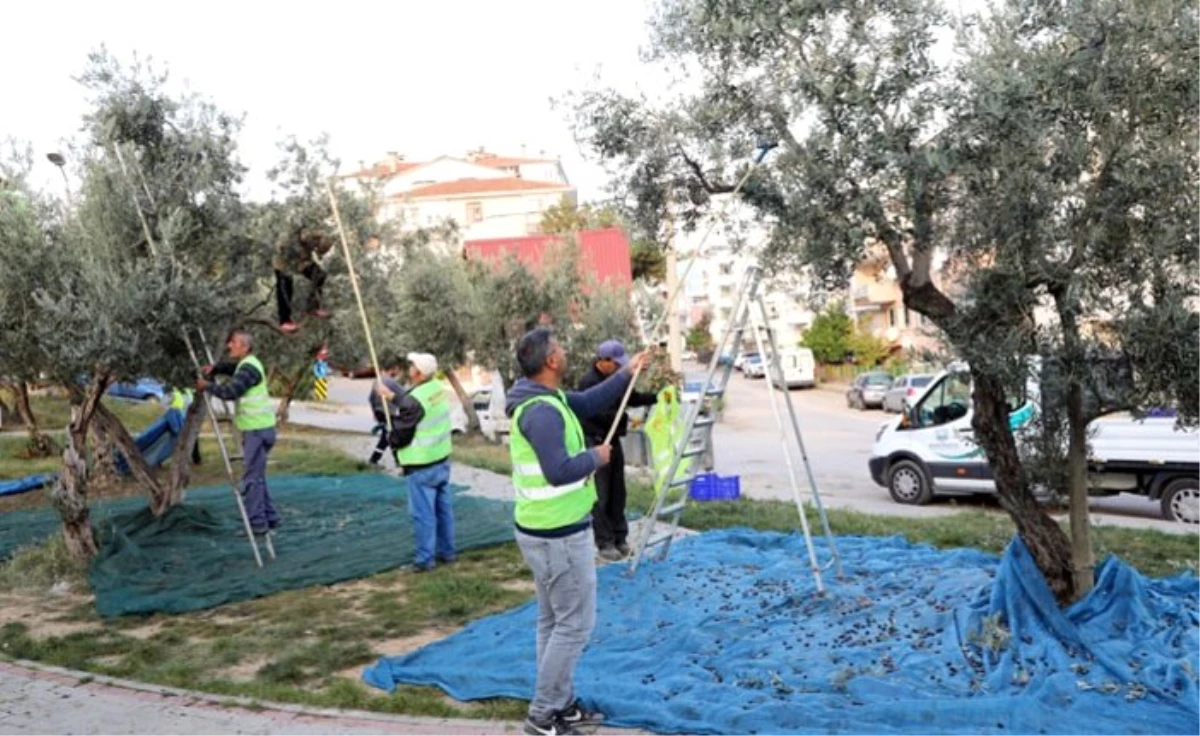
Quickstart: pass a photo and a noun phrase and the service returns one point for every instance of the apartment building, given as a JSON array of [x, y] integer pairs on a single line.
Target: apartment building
[[484, 194]]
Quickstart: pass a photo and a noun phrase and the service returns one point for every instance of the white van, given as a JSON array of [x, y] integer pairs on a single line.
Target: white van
[[930, 450], [799, 369]]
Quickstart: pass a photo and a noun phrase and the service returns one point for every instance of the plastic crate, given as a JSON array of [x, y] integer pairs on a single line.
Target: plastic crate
[[703, 487], [728, 488]]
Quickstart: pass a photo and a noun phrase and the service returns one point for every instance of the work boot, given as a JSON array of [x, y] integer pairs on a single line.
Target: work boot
[[551, 727], [577, 716], [611, 554], [624, 549], [289, 327]]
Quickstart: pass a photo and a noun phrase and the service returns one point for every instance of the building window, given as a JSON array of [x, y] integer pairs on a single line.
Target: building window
[[908, 320], [891, 316], [726, 269], [474, 212]]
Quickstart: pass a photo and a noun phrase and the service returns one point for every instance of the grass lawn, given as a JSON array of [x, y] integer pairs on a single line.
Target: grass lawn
[[309, 646]]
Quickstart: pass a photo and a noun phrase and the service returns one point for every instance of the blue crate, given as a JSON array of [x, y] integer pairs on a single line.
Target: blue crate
[[728, 488], [703, 487]]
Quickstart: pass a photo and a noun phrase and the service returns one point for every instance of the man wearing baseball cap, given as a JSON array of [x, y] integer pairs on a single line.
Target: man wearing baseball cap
[[608, 517], [421, 437]]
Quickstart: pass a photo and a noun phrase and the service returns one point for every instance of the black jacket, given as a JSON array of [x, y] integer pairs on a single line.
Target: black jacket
[[596, 428]]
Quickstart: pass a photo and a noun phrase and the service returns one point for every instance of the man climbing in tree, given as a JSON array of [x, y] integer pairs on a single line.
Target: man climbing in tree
[[255, 419], [298, 253]]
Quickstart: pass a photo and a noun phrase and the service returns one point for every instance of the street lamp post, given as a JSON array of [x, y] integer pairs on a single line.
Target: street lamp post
[[60, 161]]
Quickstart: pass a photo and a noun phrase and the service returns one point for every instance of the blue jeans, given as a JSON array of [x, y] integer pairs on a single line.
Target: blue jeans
[[432, 514], [256, 444]]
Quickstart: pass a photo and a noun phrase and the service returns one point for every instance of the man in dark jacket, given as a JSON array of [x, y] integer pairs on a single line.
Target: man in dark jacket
[[391, 373], [608, 517]]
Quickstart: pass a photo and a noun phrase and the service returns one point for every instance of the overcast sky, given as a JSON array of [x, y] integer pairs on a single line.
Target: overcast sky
[[423, 77]]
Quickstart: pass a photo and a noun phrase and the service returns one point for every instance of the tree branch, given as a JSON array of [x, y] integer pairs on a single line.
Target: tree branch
[[108, 423], [699, 172]]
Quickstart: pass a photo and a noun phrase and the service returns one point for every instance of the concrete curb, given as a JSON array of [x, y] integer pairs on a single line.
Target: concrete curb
[[330, 720]]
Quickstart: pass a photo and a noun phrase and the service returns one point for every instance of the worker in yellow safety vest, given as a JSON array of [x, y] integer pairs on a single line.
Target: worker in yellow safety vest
[[421, 437], [254, 417], [552, 474]]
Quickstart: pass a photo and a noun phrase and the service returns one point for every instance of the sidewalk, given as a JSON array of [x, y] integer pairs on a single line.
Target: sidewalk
[[38, 699]]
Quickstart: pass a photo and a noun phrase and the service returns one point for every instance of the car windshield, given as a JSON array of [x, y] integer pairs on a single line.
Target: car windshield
[[878, 379]]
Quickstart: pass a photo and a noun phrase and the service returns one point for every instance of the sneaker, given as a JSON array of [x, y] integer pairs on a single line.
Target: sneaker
[[319, 314], [624, 548], [611, 554], [551, 727], [289, 327], [578, 716]]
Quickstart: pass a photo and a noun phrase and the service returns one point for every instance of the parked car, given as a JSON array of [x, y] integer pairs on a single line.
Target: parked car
[[868, 390], [144, 389], [740, 361], [754, 367], [904, 391]]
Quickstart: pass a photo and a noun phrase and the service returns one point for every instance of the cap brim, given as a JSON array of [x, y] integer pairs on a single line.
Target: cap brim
[[622, 361]]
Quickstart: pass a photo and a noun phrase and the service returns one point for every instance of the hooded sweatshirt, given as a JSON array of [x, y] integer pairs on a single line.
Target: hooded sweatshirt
[[543, 426]]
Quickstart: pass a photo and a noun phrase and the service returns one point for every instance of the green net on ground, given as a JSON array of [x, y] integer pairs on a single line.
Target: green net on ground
[[196, 556]]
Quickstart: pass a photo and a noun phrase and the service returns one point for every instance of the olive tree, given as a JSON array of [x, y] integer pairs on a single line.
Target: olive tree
[[1052, 161]]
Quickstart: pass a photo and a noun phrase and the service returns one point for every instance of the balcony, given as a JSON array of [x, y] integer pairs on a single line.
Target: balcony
[[876, 293]]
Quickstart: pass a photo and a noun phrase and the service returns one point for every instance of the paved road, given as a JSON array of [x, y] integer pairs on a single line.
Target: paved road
[[839, 441], [37, 699], [747, 443]]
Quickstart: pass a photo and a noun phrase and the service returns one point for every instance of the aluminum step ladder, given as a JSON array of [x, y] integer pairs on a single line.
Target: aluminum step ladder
[[227, 418], [671, 496]]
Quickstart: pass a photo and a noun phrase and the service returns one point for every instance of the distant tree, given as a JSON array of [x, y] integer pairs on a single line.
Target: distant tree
[[699, 337], [830, 335], [869, 349], [26, 219], [436, 313], [568, 218]]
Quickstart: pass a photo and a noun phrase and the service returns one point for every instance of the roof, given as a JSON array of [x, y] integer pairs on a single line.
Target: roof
[[484, 187], [499, 162], [604, 254], [392, 166]]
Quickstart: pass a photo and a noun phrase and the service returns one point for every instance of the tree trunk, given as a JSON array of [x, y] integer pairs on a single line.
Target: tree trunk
[[285, 402], [1083, 560], [39, 444], [468, 407], [116, 432], [69, 494], [1042, 535], [181, 459], [104, 464]]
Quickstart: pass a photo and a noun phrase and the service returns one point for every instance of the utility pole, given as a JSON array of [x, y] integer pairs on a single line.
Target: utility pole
[[674, 338]]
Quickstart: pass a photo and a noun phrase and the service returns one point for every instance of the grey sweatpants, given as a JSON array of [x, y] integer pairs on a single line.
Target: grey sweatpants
[[564, 571]]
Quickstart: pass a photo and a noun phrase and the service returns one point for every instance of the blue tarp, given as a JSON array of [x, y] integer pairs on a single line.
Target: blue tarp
[[728, 636], [23, 485], [156, 442]]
